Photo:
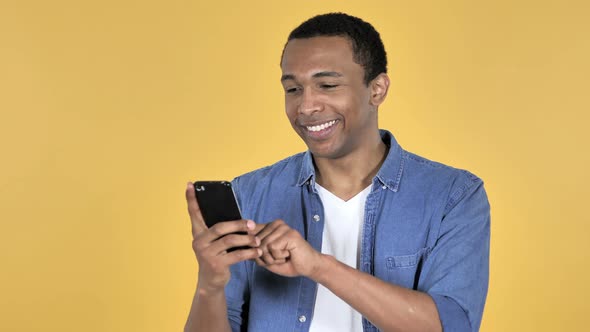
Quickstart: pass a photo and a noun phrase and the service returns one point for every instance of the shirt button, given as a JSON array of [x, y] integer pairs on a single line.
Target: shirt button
[[316, 218], [384, 187], [302, 319]]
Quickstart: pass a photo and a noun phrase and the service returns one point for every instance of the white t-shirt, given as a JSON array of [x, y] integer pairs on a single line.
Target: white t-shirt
[[343, 221]]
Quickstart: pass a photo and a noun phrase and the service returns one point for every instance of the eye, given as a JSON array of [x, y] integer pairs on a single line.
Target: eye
[[328, 86], [292, 90]]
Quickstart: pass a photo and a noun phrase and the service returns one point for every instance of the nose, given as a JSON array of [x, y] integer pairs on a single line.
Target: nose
[[310, 103]]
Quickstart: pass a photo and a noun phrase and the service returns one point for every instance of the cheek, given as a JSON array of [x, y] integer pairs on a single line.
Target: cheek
[[290, 110], [291, 115]]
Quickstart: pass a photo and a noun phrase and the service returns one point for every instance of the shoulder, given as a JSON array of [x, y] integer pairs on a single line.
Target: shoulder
[[454, 183], [418, 165], [286, 168]]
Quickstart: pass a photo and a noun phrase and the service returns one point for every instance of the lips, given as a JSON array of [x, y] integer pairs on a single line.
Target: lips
[[319, 132]]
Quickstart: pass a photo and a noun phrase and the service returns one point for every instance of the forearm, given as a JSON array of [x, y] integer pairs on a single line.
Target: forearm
[[208, 312], [387, 306]]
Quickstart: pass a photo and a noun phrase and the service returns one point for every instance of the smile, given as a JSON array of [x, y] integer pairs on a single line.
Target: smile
[[321, 126]]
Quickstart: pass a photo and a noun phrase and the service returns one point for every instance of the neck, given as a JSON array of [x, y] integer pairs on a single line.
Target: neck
[[347, 176]]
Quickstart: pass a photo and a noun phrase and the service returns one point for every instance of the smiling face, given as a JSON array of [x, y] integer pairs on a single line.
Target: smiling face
[[326, 99]]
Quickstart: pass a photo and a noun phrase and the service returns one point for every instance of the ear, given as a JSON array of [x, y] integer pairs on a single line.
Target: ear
[[379, 87]]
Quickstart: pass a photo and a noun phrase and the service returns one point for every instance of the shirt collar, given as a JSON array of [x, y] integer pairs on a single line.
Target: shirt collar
[[389, 174], [307, 173]]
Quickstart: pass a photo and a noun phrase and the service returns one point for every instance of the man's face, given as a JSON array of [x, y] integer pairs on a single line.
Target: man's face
[[326, 99]]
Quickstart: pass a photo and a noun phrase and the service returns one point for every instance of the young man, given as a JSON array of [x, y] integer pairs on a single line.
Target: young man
[[356, 234]]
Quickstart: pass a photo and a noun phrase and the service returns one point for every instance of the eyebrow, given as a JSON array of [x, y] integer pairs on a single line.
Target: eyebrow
[[287, 77]]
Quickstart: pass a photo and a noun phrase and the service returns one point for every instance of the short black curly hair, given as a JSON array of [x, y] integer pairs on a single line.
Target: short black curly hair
[[367, 47]]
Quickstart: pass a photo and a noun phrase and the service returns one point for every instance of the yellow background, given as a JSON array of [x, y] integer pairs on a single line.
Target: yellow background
[[109, 107]]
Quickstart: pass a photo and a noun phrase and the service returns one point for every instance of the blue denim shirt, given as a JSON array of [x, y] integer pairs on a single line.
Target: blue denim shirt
[[426, 227]]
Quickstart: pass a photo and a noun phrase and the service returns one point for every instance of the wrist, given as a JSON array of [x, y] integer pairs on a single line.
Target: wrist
[[322, 268], [204, 290]]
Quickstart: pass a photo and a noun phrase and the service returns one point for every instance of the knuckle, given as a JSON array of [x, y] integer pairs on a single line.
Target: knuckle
[[199, 236], [228, 240], [239, 254], [253, 240], [215, 230], [243, 254], [198, 246], [250, 254]]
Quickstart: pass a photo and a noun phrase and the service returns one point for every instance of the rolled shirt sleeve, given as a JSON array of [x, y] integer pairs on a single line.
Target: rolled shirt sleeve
[[456, 272]]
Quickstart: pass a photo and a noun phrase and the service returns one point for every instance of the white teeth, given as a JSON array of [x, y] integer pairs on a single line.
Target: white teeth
[[322, 126]]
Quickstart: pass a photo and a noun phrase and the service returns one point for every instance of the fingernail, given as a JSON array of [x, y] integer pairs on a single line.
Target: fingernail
[[259, 252], [257, 241], [250, 224]]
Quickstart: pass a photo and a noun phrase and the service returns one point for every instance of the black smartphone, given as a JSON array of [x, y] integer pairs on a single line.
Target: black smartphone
[[217, 203]]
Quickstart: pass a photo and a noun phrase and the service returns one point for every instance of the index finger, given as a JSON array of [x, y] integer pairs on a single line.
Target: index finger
[[197, 222]]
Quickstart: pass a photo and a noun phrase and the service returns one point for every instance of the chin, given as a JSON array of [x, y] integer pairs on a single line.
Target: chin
[[326, 153]]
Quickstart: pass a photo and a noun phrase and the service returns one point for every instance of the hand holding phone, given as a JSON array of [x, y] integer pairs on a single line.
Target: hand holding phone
[[211, 245]]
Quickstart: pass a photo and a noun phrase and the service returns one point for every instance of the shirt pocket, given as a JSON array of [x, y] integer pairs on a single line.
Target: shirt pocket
[[404, 270]]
